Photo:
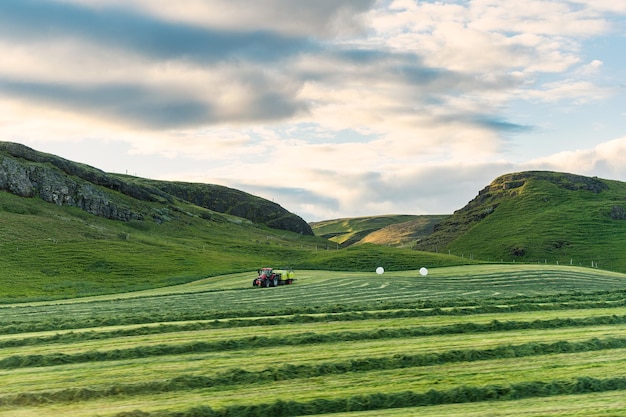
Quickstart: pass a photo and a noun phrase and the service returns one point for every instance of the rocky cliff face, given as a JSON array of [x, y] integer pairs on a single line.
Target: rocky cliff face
[[28, 173]]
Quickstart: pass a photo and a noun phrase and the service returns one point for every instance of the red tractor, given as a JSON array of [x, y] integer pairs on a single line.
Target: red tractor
[[269, 277]]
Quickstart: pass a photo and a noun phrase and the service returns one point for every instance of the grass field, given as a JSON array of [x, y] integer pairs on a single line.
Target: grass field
[[49, 252], [514, 340]]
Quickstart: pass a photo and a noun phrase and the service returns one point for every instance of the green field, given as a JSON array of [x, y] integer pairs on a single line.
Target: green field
[[50, 252], [469, 340]]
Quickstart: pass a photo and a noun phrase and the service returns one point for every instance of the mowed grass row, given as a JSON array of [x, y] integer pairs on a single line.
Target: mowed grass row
[[501, 377], [179, 382], [186, 391], [224, 337], [360, 358], [311, 359], [583, 405]]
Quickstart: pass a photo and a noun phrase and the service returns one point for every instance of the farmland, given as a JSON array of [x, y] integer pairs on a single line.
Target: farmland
[[520, 340]]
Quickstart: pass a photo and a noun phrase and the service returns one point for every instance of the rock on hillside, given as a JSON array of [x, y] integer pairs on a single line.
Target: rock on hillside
[[28, 173]]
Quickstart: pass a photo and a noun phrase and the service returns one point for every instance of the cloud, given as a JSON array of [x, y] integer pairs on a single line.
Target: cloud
[[573, 90], [591, 68], [181, 63], [156, 108], [253, 63], [490, 35], [554, 18], [607, 160], [322, 18], [419, 190], [33, 20], [357, 105]]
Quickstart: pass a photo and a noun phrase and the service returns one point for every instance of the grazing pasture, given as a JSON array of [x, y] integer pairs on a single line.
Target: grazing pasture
[[473, 340]]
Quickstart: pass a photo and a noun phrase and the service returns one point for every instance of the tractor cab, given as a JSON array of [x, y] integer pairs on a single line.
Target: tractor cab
[[265, 272]]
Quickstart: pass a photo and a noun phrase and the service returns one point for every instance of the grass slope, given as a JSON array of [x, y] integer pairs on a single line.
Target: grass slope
[[466, 340], [543, 217], [49, 252], [391, 230], [404, 234]]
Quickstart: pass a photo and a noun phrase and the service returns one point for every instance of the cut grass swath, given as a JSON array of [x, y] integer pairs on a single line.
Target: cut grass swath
[[190, 352]]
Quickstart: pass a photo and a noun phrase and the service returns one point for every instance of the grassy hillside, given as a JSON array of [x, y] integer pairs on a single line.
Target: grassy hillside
[[50, 251], [71, 230], [530, 217], [404, 234], [391, 230], [540, 217]]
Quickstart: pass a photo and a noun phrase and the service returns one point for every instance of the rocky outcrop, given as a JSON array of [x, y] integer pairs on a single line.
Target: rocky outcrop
[[86, 173], [618, 213], [29, 173], [55, 186], [567, 181]]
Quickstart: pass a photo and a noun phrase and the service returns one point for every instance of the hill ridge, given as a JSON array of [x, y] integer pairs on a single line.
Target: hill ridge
[[29, 173], [489, 198], [539, 216]]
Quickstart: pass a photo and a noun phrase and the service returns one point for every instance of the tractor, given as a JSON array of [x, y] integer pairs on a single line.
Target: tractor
[[269, 277]]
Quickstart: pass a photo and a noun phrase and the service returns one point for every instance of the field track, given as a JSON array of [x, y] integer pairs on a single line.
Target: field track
[[483, 340]]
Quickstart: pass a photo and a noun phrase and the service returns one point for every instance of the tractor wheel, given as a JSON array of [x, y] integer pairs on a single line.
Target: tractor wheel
[[266, 283], [275, 282]]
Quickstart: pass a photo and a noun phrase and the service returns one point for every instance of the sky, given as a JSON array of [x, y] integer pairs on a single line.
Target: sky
[[330, 108]]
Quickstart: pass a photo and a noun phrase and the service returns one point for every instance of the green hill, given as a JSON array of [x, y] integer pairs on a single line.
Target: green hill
[[70, 230], [531, 217], [29, 173], [540, 217]]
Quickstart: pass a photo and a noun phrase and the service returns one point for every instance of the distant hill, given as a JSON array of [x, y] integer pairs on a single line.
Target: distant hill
[[390, 230], [534, 216], [405, 234], [539, 216]]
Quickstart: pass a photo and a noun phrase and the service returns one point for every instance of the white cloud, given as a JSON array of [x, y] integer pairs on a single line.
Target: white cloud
[[607, 160], [591, 68], [490, 35], [603, 6], [554, 18], [573, 90]]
